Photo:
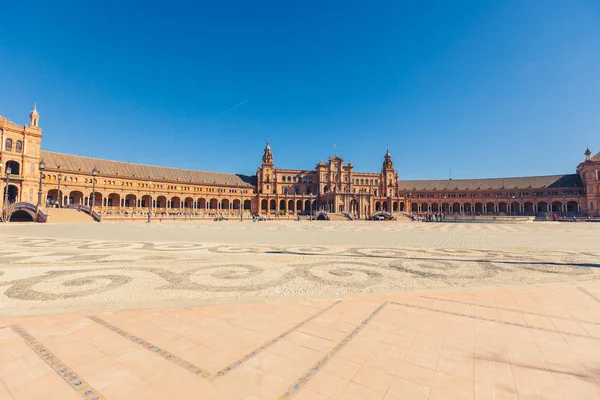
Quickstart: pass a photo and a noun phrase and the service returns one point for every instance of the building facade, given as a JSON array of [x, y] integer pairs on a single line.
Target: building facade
[[113, 187]]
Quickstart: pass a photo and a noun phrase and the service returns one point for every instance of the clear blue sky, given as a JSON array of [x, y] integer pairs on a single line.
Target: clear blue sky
[[487, 88]]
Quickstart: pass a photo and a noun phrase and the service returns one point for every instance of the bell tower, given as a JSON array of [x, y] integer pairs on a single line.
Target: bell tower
[[388, 174], [266, 171], [34, 118]]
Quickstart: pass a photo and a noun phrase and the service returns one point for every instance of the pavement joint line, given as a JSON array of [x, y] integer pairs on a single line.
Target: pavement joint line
[[195, 369], [308, 375], [495, 320], [153, 348], [270, 343], [67, 374], [509, 309], [588, 293]]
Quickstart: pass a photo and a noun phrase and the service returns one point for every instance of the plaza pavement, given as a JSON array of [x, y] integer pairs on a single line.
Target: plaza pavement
[[303, 310]]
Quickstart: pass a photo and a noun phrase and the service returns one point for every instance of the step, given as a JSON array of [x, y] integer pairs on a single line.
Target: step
[[67, 215]]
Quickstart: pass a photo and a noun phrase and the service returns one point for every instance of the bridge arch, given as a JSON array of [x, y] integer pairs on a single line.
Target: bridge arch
[[321, 216]]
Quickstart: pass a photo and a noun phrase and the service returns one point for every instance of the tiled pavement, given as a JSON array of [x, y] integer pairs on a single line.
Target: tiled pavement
[[521, 342]]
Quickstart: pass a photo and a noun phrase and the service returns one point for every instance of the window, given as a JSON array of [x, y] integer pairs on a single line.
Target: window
[[8, 145], [19, 146]]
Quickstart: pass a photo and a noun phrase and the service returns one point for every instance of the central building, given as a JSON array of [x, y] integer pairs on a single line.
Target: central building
[[332, 187]]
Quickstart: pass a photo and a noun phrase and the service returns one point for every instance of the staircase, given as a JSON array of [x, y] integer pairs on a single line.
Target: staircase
[[67, 216], [339, 217]]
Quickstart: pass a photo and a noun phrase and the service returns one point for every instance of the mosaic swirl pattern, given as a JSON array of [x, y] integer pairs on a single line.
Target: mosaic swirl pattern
[[53, 272]]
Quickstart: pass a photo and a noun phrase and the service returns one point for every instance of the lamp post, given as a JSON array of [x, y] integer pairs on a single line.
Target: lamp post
[[42, 166], [149, 203], [511, 206], [59, 195], [241, 205], [94, 174], [8, 171]]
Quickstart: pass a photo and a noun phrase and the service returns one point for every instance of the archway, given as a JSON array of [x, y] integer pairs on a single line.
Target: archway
[[225, 204], [75, 197], [515, 207], [113, 200], [130, 200], [273, 205], [52, 196], [236, 204], [478, 207], [307, 205], [414, 207], [556, 206], [435, 207], [502, 207], [467, 208], [175, 202], [542, 206], [263, 205], [395, 206], [322, 216], [145, 201], [202, 203], [490, 208], [13, 193], [402, 206], [424, 207], [299, 205], [282, 205], [214, 204], [377, 206], [15, 167], [291, 205], [161, 202], [572, 207], [21, 216], [528, 207], [188, 202], [97, 199], [456, 207], [247, 204]]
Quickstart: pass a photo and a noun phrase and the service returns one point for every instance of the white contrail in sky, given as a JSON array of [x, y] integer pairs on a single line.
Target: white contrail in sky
[[236, 106]]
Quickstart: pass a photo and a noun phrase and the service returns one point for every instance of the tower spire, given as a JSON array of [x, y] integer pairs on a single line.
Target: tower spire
[[34, 117], [267, 155]]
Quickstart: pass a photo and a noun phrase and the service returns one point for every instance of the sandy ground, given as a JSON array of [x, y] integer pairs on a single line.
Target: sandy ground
[[93, 267]]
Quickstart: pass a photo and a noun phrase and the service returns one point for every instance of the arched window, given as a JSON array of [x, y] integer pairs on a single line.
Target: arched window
[[19, 146], [8, 145]]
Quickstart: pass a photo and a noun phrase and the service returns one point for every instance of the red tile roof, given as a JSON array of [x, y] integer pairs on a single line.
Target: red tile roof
[[68, 162]]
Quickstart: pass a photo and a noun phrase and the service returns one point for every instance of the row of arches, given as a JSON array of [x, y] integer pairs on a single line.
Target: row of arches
[[396, 206], [132, 201], [502, 207], [288, 206]]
